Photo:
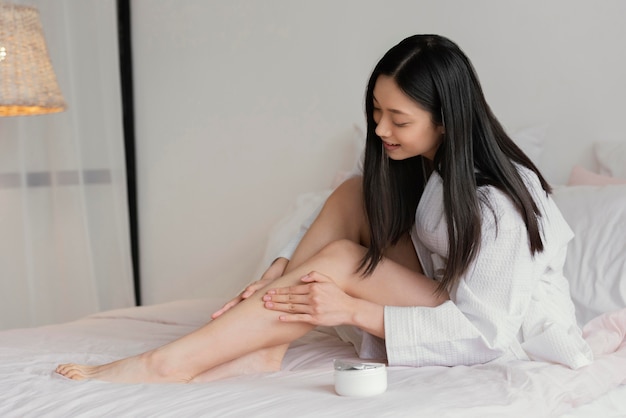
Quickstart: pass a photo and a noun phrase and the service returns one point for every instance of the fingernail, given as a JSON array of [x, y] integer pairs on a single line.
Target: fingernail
[[267, 297], [271, 292], [269, 305]]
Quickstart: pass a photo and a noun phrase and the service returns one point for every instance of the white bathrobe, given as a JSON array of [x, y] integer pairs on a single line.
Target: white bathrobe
[[508, 304]]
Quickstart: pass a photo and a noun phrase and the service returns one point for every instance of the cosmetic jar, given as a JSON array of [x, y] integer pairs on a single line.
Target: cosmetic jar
[[359, 379]]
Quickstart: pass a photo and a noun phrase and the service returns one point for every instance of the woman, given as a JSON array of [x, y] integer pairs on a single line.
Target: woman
[[448, 251]]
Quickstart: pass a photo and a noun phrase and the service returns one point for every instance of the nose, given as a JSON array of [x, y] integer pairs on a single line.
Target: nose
[[382, 129]]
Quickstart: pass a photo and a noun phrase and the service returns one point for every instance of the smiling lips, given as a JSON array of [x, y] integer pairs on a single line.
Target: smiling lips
[[390, 146]]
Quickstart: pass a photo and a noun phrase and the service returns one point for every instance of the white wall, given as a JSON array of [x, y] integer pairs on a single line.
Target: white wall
[[64, 246], [243, 105]]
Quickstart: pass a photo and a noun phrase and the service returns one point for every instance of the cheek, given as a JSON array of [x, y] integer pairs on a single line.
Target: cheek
[[422, 140], [424, 137], [436, 135]]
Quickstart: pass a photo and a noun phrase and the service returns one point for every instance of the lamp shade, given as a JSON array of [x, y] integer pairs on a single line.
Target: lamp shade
[[28, 85]]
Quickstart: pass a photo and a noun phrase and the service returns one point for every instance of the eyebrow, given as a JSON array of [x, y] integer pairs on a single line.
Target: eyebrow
[[396, 111]]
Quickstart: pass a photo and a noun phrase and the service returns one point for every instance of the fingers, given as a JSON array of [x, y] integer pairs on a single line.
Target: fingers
[[250, 290], [298, 318], [314, 276], [287, 298], [288, 307], [301, 289], [274, 271], [226, 307], [220, 311]]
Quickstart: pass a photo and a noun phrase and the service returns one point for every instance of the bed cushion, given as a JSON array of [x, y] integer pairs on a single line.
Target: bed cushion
[[580, 176], [611, 158], [531, 140], [596, 258]]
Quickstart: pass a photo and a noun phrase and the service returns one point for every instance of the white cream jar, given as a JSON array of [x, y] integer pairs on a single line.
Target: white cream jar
[[359, 379]]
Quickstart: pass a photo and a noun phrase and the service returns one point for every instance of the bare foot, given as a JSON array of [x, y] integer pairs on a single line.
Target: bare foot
[[138, 369], [261, 361], [145, 368]]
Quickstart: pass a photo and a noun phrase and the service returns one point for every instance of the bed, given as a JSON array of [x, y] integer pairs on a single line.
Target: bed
[[29, 388], [593, 203]]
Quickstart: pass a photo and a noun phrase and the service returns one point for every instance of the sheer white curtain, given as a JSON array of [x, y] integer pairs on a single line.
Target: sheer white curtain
[[64, 236]]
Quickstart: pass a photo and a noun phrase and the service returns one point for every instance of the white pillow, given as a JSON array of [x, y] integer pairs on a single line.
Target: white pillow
[[356, 156], [611, 157], [596, 257], [580, 176], [289, 225], [531, 141]]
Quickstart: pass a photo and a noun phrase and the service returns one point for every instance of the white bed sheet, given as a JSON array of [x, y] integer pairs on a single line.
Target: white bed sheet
[[30, 388]]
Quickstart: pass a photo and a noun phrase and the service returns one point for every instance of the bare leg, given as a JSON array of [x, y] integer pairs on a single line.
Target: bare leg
[[249, 334], [249, 327], [342, 217], [260, 361]]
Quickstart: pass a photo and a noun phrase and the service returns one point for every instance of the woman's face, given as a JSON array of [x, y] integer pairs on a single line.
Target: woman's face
[[405, 128]]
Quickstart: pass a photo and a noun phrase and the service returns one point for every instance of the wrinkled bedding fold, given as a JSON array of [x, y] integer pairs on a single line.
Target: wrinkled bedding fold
[[29, 388]]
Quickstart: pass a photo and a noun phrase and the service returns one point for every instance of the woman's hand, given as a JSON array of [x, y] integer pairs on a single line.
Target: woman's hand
[[318, 302], [273, 272]]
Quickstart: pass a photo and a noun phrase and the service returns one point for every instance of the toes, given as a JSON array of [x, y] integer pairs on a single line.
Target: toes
[[71, 371], [75, 375], [62, 368]]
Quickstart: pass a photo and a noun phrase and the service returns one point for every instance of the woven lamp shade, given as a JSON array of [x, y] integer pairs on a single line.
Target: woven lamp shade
[[28, 85]]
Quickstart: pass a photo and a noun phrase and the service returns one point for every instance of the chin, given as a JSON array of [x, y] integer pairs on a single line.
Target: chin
[[398, 156]]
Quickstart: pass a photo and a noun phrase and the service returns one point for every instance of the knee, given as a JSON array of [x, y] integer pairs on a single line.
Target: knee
[[346, 207], [343, 251], [340, 260]]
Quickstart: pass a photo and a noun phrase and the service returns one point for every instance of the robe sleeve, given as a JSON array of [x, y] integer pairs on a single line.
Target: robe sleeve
[[487, 307]]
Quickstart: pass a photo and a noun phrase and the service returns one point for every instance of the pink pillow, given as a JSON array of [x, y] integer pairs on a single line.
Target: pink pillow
[[580, 176]]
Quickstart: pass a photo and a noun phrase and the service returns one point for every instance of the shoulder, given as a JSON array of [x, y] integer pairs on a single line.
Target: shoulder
[[498, 208]]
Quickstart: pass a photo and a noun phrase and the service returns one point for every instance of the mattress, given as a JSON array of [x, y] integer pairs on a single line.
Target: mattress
[[304, 387]]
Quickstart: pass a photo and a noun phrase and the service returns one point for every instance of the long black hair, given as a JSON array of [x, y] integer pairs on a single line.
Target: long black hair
[[475, 151]]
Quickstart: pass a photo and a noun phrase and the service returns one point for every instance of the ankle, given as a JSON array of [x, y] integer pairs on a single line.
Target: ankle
[[272, 357], [160, 364]]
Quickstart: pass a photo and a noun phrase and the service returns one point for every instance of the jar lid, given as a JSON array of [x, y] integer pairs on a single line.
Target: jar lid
[[344, 365]]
